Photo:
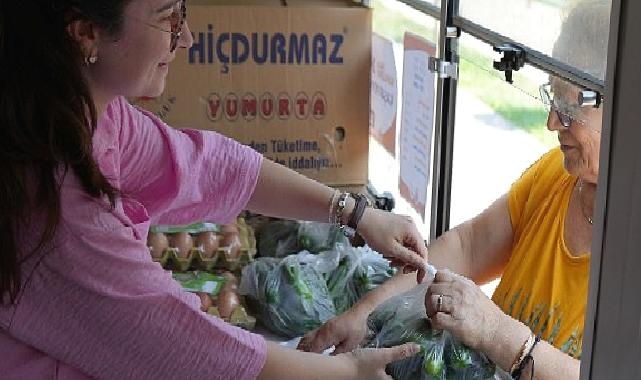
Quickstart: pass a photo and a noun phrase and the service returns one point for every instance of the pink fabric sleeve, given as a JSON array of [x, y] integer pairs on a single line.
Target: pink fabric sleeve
[[182, 176], [99, 304]]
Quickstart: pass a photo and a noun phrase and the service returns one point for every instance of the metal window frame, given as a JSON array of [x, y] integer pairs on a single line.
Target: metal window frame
[[425, 7], [612, 333], [444, 127], [532, 56]]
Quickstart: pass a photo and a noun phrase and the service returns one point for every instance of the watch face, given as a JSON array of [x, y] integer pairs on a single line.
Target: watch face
[[348, 231]]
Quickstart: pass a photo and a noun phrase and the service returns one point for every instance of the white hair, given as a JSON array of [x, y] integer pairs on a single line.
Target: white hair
[[583, 41]]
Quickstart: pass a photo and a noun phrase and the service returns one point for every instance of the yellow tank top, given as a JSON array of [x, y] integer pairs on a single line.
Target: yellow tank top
[[543, 285]]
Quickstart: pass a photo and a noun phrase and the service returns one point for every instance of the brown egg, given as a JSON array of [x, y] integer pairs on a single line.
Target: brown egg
[[230, 287], [157, 243], [230, 239], [229, 277], [232, 245], [234, 253], [229, 229], [205, 301], [183, 242], [227, 302], [208, 243], [231, 282]]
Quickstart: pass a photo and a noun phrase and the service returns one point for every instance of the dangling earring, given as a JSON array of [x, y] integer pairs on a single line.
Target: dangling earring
[[90, 60]]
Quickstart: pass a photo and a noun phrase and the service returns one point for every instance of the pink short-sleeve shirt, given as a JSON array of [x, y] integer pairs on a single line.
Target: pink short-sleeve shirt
[[94, 304]]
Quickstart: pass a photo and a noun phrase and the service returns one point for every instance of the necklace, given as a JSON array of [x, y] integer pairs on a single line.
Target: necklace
[[587, 217]]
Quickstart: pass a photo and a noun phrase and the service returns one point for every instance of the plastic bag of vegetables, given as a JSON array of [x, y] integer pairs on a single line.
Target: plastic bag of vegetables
[[403, 319], [373, 270], [281, 238], [290, 296], [359, 271], [278, 238], [319, 237]]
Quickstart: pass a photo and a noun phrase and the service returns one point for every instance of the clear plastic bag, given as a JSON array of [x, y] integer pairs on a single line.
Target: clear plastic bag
[[320, 237], [373, 271], [403, 319], [429, 364], [281, 238], [278, 238], [359, 271], [290, 296]]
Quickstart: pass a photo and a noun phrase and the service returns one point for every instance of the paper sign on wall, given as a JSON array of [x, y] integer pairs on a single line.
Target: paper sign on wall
[[384, 93], [417, 121]]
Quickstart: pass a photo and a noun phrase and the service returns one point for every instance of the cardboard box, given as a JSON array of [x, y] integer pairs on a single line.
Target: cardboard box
[[291, 81]]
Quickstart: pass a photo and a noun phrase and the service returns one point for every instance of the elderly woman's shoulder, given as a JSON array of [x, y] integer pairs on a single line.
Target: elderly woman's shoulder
[[550, 166], [552, 156]]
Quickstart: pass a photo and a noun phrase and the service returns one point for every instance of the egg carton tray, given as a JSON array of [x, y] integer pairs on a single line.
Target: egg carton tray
[[239, 317], [212, 286], [196, 261], [223, 258]]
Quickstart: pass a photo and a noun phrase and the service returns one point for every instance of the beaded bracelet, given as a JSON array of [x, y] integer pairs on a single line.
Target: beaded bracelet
[[342, 202], [332, 205]]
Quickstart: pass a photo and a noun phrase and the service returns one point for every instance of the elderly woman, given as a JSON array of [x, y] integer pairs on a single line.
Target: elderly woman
[[537, 237], [84, 174]]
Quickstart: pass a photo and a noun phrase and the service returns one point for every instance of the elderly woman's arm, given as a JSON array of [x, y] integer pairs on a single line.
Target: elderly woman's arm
[[550, 363], [478, 249], [479, 323]]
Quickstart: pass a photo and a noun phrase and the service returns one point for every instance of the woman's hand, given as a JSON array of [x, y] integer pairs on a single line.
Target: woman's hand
[[464, 310], [365, 364], [345, 332], [395, 237], [369, 363]]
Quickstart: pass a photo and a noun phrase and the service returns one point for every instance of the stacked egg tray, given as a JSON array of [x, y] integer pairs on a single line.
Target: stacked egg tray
[[203, 246], [218, 293]]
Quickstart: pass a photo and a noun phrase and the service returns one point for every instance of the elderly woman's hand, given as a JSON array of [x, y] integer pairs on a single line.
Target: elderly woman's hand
[[395, 237], [458, 305]]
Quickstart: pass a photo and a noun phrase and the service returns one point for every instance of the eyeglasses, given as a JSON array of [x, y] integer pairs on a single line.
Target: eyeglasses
[[177, 20], [566, 112]]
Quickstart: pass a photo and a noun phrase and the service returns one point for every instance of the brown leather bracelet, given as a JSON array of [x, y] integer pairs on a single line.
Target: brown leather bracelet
[[359, 210]]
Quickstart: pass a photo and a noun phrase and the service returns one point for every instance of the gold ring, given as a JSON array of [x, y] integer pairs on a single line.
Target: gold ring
[[439, 303]]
